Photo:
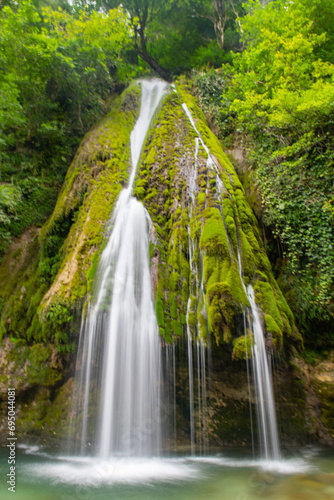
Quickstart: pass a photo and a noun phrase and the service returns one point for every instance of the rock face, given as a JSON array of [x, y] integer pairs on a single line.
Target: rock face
[[317, 385], [205, 231], [47, 273], [204, 242], [34, 372]]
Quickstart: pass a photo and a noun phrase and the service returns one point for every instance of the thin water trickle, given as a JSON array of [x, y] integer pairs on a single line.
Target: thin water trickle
[[265, 393], [120, 357], [191, 383], [210, 163], [262, 376]]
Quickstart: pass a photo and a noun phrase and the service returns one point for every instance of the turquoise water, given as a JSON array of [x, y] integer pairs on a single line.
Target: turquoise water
[[223, 476]]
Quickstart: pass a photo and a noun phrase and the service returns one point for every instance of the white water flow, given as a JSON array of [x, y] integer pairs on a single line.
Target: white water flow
[[193, 273], [119, 366], [191, 384], [264, 393], [196, 364], [264, 386], [210, 164], [248, 359], [199, 399], [204, 400]]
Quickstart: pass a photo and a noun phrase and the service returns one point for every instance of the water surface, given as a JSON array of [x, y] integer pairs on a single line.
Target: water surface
[[308, 475]]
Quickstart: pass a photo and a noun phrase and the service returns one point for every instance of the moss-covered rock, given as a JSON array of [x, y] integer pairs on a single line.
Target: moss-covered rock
[[23, 366], [47, 273], [37, 303], [205, 232], [242, 348], [214, 240]]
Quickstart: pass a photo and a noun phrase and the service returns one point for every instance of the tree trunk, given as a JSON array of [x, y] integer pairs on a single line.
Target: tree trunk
[[142, 49], [220, 21], [142, 52]]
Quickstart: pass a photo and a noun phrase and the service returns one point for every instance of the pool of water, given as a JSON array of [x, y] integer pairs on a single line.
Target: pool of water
[[40, 475]]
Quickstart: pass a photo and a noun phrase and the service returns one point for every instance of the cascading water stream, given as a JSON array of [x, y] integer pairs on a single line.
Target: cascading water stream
[[266, 414], [119, 358], [264, 386]]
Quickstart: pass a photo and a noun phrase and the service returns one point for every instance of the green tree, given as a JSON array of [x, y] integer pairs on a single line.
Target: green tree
[[56, 72], [172, 36], [283, 96]]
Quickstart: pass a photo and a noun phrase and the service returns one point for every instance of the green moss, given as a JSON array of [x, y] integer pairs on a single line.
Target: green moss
[[274, 330], [202, 322], [192, 314], [174, 281], [151, 195], [260, 276], [265, 297], [35, 300], [173, 308], [30, 418], [56, 421], [201, 198], [159, 311], [150, 156], [183, 319], [247, 258], [39, 369], [223, 308], [213, 238], [232, 287], [92, 270], [242, 348], [35, 331], [19, 356], [176, 328]]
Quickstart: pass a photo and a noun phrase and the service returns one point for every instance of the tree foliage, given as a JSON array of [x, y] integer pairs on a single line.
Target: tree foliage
[[283, 97], [56, 71], [176, 35]]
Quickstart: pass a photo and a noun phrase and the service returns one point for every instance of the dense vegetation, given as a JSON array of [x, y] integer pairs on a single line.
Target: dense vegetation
[[263, 72], [287, 115], [57, 70], [278, 99]]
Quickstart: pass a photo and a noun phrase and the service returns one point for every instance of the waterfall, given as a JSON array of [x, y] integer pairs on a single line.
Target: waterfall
[[263, 386], [191, 384], [118, 376], [118, 385], [262, 375]]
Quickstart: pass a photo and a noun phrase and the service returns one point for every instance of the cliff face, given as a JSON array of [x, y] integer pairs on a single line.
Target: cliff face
[[47, 273], [205, 244], [205, 234]]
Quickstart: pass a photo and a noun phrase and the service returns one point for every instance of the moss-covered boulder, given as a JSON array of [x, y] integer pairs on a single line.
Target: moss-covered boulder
[[207, 247], [38, 303]]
